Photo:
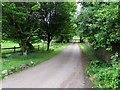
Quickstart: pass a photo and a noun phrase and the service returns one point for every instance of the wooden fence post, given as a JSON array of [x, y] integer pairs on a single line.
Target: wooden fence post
[[14, 49]]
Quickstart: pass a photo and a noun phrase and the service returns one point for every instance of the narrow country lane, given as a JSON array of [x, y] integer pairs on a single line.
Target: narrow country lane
[[62, 71]]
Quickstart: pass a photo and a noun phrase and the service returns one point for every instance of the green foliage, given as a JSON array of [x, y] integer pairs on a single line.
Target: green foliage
[[104, 75], [101, 73], [29, 22], [114, 57], [99, 23], [20, 22], [36, 7], [67, 33], [57, 20]]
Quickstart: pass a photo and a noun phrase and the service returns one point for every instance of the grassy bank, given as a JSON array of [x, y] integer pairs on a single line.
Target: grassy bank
[[36, 57], [101, 73]]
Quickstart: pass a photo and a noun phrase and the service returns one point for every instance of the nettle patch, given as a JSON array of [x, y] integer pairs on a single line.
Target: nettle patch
[[103, 74]]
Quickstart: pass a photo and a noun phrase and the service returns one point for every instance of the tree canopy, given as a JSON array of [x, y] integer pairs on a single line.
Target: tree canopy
[[99, 23], [20, 22], [56, 17], [27, 22]]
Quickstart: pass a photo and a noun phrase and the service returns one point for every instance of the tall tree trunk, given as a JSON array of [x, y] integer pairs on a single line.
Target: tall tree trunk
[[22, 45], [81, 40], [29, 45], [48, 42], [26, 46]]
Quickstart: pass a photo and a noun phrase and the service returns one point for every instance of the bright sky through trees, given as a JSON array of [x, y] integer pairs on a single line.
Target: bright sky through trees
[[79, 5]]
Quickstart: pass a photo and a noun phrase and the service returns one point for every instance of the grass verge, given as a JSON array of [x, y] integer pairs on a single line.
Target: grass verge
[[37, 57], [101, 73]]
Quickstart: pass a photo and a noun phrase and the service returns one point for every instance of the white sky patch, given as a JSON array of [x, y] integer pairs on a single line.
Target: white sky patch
[[79, 6]]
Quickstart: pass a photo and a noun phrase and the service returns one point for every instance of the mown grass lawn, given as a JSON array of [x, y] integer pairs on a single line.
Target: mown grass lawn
[[10, 44], [38, 56]]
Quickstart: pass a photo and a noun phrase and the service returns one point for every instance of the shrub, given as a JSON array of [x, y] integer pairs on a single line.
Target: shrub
[[103, 74]]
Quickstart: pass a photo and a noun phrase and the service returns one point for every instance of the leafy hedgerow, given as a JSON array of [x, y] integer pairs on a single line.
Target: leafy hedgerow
[[101, 73]]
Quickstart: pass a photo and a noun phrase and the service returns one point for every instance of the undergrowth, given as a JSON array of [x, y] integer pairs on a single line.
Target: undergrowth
[[101, 73]]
